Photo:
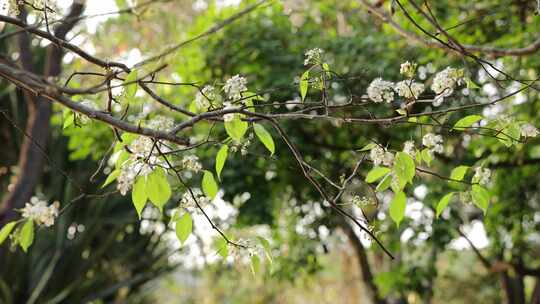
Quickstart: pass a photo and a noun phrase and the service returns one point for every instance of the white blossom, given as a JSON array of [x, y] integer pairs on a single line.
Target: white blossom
[[445, 82], [528, 130], [313, 56], [409, 89], [229, 116], [187, 200], [235, 86], [379, 156], [380, 90], [38, 211], [205, 97], [191, 162], [408, 147], [161, 123], [433, 142], [407, 69], [481, 175]]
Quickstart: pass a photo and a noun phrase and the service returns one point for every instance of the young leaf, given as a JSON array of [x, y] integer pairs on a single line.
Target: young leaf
[[255, 264], [130, 89], [221, 157], [467, 121], [6, 230], [264, 137], [426, 156], [222, 247], [368, 147], [384, 183], [209, 185], [376, 173], [158, 188], [443, 203], [236, 128], [304, 84], [111, 178], [480, 197], [138, 194], [458, 173], [404, 167], [397, 207], [26, 235], [184, 227]]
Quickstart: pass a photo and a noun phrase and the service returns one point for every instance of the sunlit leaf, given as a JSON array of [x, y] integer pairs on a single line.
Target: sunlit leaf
[[458, 173], [467, 121], [304, 84], [397, 207], [443, 203], [26, 236], [376, 173], [138, 194], [6, 230], [209, 185], [221, 157], [158, 188], [265, 137], [184, 227]]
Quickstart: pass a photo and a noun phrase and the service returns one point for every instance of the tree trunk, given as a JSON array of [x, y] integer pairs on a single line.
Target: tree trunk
[[365, 269]]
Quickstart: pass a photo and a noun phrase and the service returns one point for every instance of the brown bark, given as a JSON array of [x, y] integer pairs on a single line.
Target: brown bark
[[363, 261], [31, 155]]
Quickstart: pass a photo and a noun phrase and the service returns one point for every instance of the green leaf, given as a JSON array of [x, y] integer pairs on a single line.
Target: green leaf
[[471, 84], [26, 237], [221, 157], [255, 264], [426, 156], [458, 173], [236, 128], [222, 247], [6, 230], [443, 203], [121, 159], [130, 89], [265, 137], [304, 84], [158, 188], [111, 178], [384, 183], [368, 147], [510, 134], [467, 121], [209, 185], [184, 227], [69, 119], [376, 173], [397, 207], [266, 246], [138, 194], [480, 197], [404, 167]]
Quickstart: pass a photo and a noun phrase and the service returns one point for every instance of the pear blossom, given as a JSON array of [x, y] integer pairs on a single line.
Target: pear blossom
[[379, 156], [205, 97], [408, 69], [528, 130], [380, 90], [313, 56], [445, 82], [38, 211], [235, 86], [408, 147], [433, 142], [191, 162], [481, 175], [409, 89]]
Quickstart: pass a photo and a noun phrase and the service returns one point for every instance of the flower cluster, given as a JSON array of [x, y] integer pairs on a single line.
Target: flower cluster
[[206, 97], [528, 130], [362, 201], [380, 156], [235, 86], [229, 116], [481, 175], [408, 69], [191, 162], [38, 211], [409, 89], [380, 90], [445, 82], [408, 148], [189, 202], [313, 56], [161, 123], [433, 143]]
